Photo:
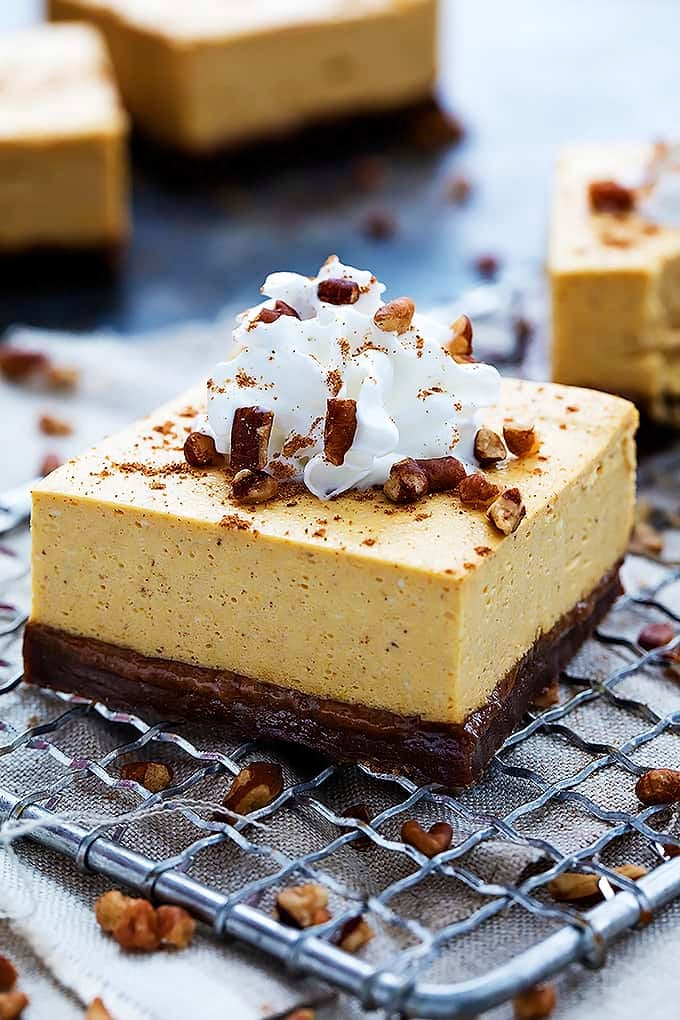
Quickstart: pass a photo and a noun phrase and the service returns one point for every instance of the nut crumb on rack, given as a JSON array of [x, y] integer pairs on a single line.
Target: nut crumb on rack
[[659, 786], [576, 885], [303, 906], [429, 842], [152, 775], [535, 1003]]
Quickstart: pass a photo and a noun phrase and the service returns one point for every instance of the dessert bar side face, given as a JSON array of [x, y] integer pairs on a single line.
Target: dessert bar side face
[[269, 76], [615, 280], [63, 136], [413, 610]]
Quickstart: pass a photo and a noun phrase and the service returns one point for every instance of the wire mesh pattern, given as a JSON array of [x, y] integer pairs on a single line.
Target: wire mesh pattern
[[558, 797]]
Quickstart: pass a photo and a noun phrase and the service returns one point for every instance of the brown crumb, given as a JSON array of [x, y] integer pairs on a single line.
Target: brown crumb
[[58, 377], [369, 541], [97, 1011], [459, 189], [535, 1003], [488, 266], [379, 226], [235, 522], [166, 428]]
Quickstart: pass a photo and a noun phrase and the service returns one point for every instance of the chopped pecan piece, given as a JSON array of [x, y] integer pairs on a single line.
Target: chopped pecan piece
[[8, 974], [395, 316], [272, 314], [59, 377], [610, 196], [302, 1014], [50, 425], [671, 849], [302, 906], [354, 934], [507, 511], [460, 344], [576, 885], [18, 365], [520, 439], [256, 785], [489, 447], [360, 812], [153, 775], [109, 909], [48, 464], [430, 843], [338, 291], [253, 486], [339, 429], [659, 786], [488, 266], [12, 1004], [444, 474], [380, 225], [407, 482], [176, 927], [477, 492], [655, 635], [250, 432], [536, 1003], [97, 1011], [199, 450], [137, 928]]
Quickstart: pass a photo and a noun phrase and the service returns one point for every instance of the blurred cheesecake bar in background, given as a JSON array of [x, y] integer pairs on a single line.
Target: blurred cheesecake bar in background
[[615, 273], [63, 158], [202, 75]]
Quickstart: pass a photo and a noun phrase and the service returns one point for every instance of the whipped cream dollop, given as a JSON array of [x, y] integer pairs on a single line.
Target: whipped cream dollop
[[413, 398]]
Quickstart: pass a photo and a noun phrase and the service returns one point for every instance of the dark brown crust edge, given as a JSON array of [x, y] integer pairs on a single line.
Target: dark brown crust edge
[[452, 754]]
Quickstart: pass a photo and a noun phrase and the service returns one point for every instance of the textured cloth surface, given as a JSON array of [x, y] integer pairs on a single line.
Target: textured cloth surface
[[64, 959]]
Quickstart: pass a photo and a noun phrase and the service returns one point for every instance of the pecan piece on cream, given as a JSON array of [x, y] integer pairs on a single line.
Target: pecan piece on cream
[[176, 927], [610, 196], [256, 785], [444, 474], [395, 316], [301, 906], [268, 315], [338, 291], [97, 1011], [659, 786], [199, 450], [250, 432], [153, 775], [354, 934], [520, 439], [407, 482], [536, 1003], [253, 486], [339, 429], [8, 974], [489, 447], [430, 842], [477, 492], [61, 378], [656, 635], [460, 344], [576, 885], [507, 512]]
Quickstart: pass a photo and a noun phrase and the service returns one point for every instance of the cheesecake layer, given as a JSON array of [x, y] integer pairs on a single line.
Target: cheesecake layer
[[615, 280], [63, 162], [452, 754], [418, 611], [204, 75]]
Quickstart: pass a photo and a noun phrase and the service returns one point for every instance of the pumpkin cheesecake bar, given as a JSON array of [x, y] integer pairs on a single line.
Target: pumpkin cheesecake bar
[[615, 273], [355, 538], [63, 161], [208, 74]]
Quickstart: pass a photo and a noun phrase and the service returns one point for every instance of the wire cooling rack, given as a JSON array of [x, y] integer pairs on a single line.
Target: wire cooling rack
[[456, 934]]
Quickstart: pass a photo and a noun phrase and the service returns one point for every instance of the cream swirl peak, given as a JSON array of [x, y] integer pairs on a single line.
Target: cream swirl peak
[[346, 384]]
